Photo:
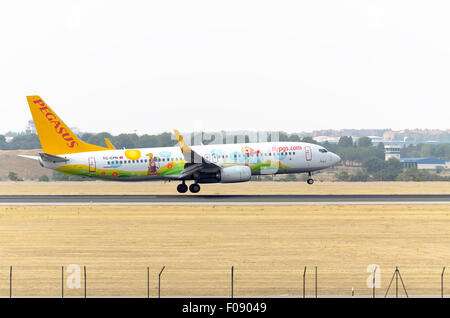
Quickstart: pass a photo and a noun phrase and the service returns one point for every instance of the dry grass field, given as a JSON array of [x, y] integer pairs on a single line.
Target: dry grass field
[[105, 187], [25, 168], [268, 246]]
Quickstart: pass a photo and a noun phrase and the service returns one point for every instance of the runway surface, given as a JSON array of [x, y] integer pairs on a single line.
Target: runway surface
[[221, 199]]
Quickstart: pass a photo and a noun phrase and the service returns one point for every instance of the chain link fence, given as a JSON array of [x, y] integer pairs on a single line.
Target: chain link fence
[[75, 280]]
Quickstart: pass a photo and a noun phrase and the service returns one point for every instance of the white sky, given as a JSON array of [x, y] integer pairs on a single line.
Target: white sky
[[151, 66]]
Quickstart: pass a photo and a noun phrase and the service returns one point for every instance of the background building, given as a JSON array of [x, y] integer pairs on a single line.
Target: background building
[[424, 163], [392, 151]]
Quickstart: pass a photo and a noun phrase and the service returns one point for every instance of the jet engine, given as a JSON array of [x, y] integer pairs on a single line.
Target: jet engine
[[234, 174]]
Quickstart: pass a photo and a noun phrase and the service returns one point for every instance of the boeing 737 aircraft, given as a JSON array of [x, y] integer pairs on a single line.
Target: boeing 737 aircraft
[[65, 152]]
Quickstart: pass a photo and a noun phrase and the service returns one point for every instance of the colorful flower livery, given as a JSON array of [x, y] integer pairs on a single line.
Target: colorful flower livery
[[65, 152]]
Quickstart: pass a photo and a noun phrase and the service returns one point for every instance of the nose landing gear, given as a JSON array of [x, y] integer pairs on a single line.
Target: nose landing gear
[[310, 179]]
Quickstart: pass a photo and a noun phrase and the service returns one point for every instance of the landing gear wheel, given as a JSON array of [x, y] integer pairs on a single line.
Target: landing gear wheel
[[182, 188], [194, 188], [310, 179]]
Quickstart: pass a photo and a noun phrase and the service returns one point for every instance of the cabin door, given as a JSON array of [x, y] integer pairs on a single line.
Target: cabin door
[[91, 164], [308, 153]]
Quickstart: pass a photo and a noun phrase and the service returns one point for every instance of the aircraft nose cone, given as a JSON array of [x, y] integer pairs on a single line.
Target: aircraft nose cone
[[335, 159]]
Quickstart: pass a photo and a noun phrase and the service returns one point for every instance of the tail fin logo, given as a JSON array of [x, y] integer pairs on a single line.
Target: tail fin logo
[[54, 120]]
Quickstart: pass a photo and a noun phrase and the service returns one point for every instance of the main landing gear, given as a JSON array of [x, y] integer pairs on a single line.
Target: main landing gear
[[310, 179], [194, 188], [182, 188]]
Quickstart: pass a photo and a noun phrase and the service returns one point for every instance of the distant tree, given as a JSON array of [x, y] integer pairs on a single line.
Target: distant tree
[[126, 141], [393, 168], [350, 154], [420, 175], [290, 177], [330, 147], [374, 165], [364, 142], [309, 140], [383, 170], [80, 178], [345, 141], [166, 140], [25, 142], [380, 147], [282, 136], [59, 176], [439, 170], [13, 176], [44, 178], [359, 176], [98, 139], [342, 176], [85, 136], [3, 143], [294, 138], [441, 151]]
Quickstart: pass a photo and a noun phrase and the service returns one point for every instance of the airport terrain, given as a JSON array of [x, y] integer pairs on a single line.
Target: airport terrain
[[267, 245]]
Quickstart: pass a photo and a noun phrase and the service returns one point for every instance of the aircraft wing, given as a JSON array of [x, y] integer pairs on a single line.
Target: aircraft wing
[[188, 171], [194, 161]]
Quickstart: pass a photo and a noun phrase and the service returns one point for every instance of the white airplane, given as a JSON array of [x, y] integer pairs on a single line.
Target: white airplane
[[63, 151]]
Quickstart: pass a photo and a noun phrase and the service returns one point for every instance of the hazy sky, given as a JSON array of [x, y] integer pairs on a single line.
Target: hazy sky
[[151, 66]]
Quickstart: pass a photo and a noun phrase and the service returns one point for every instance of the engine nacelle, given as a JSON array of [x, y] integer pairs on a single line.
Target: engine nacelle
[[234, 174]]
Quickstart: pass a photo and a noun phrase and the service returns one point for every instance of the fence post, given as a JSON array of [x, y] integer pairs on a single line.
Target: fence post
[[396, 275], [316, 280], [62, 281], [232, 281], [148, 282], [442, 282], [373, 283], [389, 287], [396, 282], [85, 296], [159, 282], [10, 282], [304, 279], [403, 284]]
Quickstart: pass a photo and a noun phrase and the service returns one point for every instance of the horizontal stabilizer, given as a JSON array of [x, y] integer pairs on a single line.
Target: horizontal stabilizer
[[30, 157], [52, 158]]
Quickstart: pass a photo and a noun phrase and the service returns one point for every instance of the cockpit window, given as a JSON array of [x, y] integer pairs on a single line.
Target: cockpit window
[[323, 150]]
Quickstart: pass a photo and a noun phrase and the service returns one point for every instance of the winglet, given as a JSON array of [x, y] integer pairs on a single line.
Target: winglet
[[185, 149], [109, 144], [189, 155]]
